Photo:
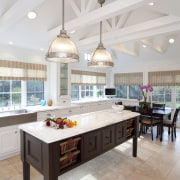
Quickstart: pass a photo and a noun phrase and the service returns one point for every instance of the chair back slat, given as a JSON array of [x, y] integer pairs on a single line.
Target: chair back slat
[[176, 115]]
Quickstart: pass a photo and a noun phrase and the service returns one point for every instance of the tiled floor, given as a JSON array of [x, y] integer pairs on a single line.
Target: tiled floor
[[155, 161]]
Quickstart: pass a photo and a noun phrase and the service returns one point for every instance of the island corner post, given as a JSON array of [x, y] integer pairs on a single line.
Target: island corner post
[[45, 157]]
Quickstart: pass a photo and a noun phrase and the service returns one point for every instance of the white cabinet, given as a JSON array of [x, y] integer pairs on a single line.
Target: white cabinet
[[9, 141], [63, 79], [43, 115], [61, 112]]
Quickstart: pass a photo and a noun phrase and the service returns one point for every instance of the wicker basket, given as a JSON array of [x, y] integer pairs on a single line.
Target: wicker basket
[[129, 132], [68, 159], [69, 145], [129, 123]]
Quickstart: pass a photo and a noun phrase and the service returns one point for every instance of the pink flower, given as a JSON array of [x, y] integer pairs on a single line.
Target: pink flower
[[145, 89]]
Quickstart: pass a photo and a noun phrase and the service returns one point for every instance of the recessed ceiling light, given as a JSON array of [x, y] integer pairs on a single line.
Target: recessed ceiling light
[[151, 4], [41, 49], [171, 40], [144, 46], [31, 15], [10, 43]]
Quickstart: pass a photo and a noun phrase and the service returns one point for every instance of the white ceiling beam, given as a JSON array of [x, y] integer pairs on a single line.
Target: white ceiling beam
[[114, 22], [134, 50], [83, 6], [75, 8], [107, 25], [123, 19], [17, 11], [140, 30], [105, 12], [89, 5]]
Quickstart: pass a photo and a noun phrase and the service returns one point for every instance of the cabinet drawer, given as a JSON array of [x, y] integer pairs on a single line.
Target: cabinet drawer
[[120, 134], [108, 135], [92, 144]]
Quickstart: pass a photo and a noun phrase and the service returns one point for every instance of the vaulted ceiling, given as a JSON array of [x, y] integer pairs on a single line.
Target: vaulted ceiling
[[127, 24]]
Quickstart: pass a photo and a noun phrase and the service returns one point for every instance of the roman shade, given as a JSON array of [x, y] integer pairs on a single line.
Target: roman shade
[[164, 78], [87, 78], [12, 70], [135, 78]]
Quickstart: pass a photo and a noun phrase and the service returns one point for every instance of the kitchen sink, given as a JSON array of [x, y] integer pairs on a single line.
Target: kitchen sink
[[13, 112]]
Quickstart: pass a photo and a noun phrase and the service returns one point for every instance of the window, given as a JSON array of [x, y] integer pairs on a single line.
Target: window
[[129, 92], [87, 84], [177, 96], [121, 91], [10, 93], [85, 91], [135, 92], [35, 92], [162, 94]]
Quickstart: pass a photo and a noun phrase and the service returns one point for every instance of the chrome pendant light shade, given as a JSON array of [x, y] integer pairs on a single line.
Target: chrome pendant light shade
[[62, 49], [100, 58]]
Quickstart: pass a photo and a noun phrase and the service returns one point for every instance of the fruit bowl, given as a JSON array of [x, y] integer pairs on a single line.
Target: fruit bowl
[[117, 108]]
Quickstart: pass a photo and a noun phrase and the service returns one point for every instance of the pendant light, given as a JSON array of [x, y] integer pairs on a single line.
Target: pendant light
[[62, 49], [100, 58]]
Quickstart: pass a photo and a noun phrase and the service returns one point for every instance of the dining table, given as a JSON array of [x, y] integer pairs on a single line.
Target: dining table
[[163, 114]]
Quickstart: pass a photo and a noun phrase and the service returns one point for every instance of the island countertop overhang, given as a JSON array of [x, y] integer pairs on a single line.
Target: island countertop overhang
[[86, 122]]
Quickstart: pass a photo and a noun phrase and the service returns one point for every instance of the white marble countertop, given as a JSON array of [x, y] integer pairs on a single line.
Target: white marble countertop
[[86, 122]]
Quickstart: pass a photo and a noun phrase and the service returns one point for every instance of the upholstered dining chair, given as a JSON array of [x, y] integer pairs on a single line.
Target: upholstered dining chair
[[149, 121], [171, 124]]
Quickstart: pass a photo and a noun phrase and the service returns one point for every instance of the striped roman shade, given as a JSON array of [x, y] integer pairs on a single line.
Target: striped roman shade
[[87, 78], [12, 70], [164, 78], [135, 78]]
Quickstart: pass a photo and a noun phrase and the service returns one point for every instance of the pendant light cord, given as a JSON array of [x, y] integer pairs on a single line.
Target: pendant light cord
[[101, 2], [62, 14]]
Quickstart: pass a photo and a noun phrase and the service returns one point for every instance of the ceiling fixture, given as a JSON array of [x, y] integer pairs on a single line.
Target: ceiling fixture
[[31, 15], [151, 3], [171, 40], [62, 49], [100, 58]]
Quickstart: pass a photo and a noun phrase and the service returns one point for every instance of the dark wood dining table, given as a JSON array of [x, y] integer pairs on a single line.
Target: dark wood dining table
[[163, 114]]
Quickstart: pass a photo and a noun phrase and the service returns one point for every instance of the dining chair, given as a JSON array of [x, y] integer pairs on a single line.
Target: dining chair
[[171, 124], [158, 106], [149, 121]]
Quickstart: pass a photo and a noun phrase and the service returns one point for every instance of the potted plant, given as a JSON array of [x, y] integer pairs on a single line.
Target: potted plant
[[100, 93]]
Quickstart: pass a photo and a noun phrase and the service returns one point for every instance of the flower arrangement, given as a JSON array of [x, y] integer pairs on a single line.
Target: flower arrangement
[[145, 90]]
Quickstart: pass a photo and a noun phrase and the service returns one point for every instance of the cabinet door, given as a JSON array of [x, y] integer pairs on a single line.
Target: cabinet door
[[120, 133], [9, 141], [92, 144], [63, 79], [43, 115], [108, 138]]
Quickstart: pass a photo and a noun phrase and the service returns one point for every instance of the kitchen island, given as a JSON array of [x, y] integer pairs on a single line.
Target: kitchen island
[[54, 151]]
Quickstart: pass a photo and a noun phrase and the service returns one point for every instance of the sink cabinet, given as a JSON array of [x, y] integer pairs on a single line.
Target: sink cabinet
[[9, 141]]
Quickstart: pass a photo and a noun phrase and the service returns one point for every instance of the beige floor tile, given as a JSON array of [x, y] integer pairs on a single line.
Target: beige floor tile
[[156, 161]]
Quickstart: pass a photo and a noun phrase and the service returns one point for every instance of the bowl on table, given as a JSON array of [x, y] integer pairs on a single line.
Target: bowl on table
[[117, 108]]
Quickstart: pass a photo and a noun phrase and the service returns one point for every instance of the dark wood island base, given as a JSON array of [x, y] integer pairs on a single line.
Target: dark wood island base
[[53, 159]]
